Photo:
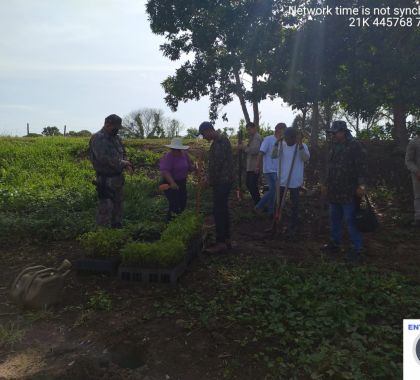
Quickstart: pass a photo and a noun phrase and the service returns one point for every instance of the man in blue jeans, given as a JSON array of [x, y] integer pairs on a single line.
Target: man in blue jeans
[[344, 186], [270, 167]]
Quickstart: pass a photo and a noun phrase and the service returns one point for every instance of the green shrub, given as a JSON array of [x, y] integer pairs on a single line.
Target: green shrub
[[104, 242], [100, 301], [143, 157]]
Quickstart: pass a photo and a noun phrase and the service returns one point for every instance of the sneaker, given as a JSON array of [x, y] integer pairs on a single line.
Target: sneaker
[[331, 247]]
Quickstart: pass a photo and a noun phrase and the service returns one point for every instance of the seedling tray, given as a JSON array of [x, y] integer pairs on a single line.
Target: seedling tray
[[152, 276], [103, 265]]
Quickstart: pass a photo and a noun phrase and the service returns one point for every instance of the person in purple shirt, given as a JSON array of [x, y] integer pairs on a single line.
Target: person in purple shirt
[[174, 168]]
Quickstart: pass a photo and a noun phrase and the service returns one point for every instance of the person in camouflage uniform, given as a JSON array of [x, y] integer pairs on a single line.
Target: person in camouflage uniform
[[344, 185], [220, 178], [108, 158]]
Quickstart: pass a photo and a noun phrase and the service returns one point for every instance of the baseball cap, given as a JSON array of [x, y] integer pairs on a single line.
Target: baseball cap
[[204, 126], [337, 126], [114, 120]]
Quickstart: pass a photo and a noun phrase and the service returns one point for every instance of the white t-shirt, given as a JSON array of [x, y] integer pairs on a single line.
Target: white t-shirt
[[296, 179], [269, 164]]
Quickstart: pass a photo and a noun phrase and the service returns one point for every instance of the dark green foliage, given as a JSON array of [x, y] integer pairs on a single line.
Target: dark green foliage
[[225, 39], [51, 131], [315, 321], [143, 157]]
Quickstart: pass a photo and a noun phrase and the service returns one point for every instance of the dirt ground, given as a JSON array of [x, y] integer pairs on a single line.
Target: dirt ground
[[131, 340]]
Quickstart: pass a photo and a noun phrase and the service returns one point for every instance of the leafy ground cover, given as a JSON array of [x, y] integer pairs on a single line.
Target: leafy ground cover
[[46, 190]]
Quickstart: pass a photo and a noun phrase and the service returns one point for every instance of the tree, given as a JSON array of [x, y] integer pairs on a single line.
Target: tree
[[173, 128], [192, 133], [378, 67], [51, 131], [230, 43], [82, 133], [149, 123]]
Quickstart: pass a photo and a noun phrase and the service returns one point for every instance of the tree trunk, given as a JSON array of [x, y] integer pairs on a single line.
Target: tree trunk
[[400, 127], [304, 112], [254, 101], [315, 124], [328, 115], [357, 124], [241, 97]]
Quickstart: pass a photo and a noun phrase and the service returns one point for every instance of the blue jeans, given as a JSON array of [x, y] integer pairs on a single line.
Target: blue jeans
[[270, 196], [338, 212]]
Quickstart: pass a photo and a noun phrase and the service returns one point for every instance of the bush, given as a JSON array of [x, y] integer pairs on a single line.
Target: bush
[[143, 157]]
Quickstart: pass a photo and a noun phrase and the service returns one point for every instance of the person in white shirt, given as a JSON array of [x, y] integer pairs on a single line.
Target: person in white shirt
[[270, 166], [291, 138]]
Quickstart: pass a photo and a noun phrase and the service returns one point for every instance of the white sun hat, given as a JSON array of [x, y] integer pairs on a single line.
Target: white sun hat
[[176, 143]]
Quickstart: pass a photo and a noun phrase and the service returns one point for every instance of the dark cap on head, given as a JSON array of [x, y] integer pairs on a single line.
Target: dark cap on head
[[114, 120], [204, 126], [280, 126], [290, 133], [337, 126], [250, 125]]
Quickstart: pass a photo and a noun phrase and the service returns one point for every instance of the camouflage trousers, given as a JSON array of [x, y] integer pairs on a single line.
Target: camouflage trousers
[[110, 205], [416, 192]]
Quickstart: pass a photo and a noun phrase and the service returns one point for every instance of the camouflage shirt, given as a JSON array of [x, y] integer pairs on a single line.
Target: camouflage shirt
[[346, 171], [220, 162], [106, 153]]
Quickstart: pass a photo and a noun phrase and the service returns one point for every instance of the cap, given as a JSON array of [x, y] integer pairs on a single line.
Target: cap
[[338, 125], [204, 126], [290, 132], [114, 120], [250, 125]]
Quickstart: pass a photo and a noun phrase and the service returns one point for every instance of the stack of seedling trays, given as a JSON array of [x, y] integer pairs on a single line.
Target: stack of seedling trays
[[146, 255]]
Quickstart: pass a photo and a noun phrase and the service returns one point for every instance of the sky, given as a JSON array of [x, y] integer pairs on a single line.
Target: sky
[[74, 62]]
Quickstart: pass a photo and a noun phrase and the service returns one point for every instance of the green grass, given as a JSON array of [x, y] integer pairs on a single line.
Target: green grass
[[10, 334], [46, 190]]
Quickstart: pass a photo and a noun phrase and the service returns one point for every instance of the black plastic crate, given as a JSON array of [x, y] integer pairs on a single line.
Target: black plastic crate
[[194, 248], [105, 265], [152, 275]]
